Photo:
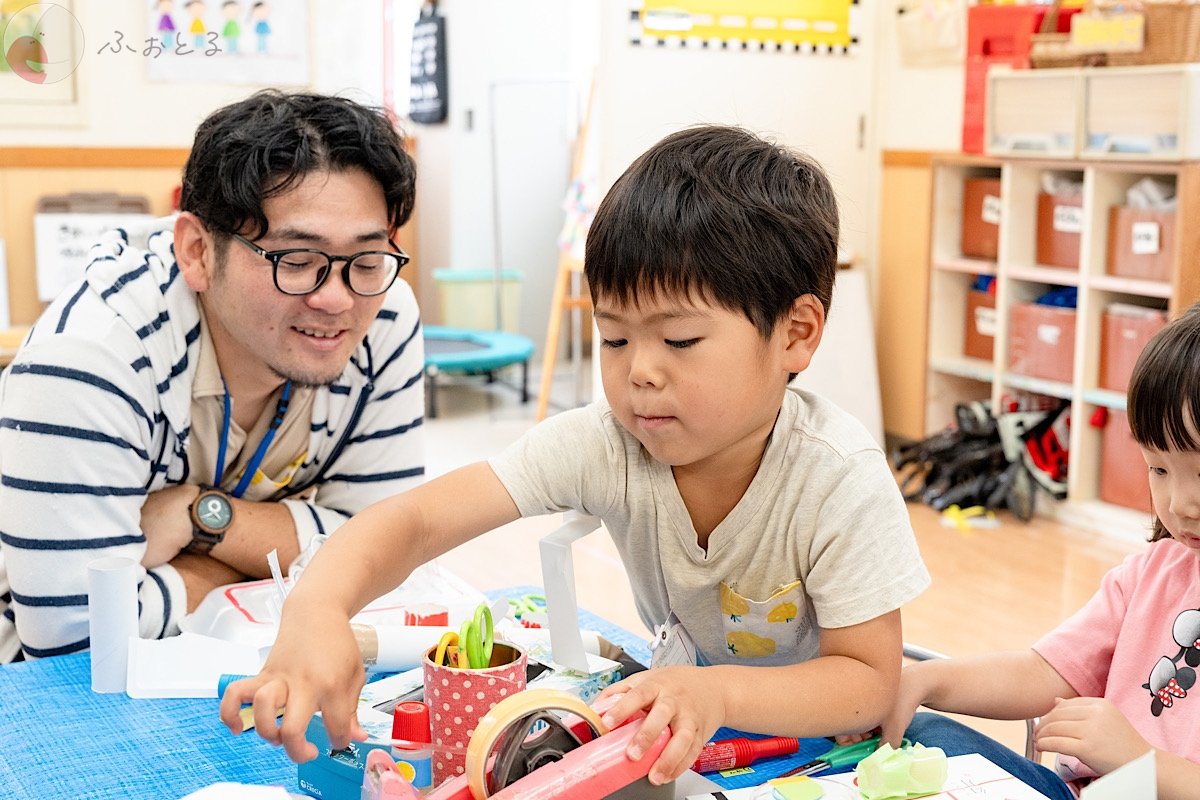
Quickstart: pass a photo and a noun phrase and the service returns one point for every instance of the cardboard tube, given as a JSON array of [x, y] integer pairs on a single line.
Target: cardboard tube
[[394, 648], [112, 619]]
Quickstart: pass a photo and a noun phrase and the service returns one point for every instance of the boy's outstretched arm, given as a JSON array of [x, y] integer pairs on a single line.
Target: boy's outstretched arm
[[849, 687], [315, 663], [1010, 685]]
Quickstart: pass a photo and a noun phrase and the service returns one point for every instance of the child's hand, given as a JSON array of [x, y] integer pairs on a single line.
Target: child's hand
[[909, 697], [315, 665], [855, 738], [685, 699], [1091, 729]]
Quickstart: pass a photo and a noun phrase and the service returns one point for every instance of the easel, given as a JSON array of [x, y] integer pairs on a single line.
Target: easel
[[568, 284]]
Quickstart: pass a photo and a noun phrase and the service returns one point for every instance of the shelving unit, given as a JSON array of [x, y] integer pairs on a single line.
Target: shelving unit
[[952, 377]]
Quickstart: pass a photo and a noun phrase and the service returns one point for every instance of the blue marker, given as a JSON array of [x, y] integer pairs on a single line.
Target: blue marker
[[226, 679]]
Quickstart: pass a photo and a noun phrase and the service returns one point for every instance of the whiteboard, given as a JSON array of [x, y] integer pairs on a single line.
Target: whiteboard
[[62, 242]]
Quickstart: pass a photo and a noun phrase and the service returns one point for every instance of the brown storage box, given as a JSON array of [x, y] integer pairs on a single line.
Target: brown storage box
[[1149, 257], [1122, 339], [980, 325], [1058, 230], [980, 218], [1041, 341], [1124, 479]]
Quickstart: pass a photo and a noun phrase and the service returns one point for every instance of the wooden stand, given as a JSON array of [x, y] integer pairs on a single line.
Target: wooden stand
[[567, 292], [564, 298]]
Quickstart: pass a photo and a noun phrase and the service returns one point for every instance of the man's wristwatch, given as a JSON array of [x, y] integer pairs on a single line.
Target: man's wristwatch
[[212, 514]]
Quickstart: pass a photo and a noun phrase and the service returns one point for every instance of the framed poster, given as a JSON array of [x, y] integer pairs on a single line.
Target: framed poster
[[228, 41], [41, 46]]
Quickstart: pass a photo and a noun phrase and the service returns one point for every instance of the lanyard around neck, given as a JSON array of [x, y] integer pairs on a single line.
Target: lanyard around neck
[[260, 453]]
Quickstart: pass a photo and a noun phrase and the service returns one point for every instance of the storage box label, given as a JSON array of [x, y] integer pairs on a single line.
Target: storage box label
[[990, 210], [1108, 33], [1145, 238], [985, 321], [1068, 219], [1050, 334]]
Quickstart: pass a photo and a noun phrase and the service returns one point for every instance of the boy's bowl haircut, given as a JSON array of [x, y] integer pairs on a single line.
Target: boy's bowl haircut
[[718, 213]]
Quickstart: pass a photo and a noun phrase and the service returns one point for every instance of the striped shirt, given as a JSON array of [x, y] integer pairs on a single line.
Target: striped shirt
[[95, 414]]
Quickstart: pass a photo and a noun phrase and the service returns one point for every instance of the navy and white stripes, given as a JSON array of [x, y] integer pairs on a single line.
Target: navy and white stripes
[[95, 414]]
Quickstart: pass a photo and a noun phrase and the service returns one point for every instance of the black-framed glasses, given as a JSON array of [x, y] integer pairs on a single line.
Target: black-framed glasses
[[301, 271]]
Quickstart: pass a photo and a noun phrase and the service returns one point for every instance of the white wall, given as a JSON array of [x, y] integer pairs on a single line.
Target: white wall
[[123, 108], [490, 44], [801, 99], [917, 108], [808, 101]]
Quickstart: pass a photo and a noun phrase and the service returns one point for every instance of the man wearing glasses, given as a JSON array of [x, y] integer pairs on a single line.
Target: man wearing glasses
[[229, 382]]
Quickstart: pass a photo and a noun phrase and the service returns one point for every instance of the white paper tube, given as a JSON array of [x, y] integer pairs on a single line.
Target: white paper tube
[[112, 619], [394, 648]]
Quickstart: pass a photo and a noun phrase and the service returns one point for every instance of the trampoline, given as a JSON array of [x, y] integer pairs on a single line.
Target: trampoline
[[472, 353]]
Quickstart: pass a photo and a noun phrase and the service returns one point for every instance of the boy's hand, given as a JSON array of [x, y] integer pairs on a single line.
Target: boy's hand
[[1091, 729], [685, 699], [909, 697], [315, 665]]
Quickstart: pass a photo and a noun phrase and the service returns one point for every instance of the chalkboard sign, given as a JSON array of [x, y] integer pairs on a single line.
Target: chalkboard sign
[[428, 95]]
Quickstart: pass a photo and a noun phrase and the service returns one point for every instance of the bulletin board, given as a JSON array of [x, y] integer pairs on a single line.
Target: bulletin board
[[806, 26]]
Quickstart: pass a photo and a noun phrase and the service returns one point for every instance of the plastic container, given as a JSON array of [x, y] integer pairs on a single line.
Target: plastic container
[[980, 325], [1141, 243], [1059, 230], [410, 722], [1124, 479], [1124, 332], [981, 218], [467, 298], [1041, 342]]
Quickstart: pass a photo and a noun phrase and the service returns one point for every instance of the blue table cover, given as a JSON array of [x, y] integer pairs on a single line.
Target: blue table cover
[[61, 740]]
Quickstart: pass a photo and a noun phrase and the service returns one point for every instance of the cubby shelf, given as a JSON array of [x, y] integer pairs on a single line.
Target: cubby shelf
[[953, 377]]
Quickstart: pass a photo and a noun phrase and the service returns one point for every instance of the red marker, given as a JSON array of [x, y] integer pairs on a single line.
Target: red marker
[[740, 752]]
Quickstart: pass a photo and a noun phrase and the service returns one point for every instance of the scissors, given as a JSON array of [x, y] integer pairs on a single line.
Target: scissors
[[528, 604], [475, 640], [447, 649], [842, 755]]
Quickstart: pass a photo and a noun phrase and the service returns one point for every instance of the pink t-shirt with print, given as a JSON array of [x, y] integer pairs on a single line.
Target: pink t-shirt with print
[[1137, 644]]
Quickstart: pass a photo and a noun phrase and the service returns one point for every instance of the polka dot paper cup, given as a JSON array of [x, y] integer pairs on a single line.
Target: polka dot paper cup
[[458, 699]]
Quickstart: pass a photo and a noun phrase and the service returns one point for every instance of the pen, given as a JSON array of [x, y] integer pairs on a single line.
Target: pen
[[740, 752]]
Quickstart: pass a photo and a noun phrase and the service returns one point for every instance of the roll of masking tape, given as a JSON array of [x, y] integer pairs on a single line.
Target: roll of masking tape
[[508, 711]]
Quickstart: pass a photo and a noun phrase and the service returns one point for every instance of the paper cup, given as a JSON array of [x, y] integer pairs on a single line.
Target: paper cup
[[458, 699]]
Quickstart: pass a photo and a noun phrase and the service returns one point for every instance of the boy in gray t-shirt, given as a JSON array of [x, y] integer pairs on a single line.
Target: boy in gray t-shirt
[[764, 520]]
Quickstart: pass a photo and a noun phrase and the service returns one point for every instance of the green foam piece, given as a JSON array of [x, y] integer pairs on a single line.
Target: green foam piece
[[799, 787], [890, 774]]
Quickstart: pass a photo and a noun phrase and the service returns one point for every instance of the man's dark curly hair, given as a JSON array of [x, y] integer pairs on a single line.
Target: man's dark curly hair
[[265, 145]]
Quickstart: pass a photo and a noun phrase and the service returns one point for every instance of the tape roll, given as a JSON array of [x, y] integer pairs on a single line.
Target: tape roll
[[509, 711]]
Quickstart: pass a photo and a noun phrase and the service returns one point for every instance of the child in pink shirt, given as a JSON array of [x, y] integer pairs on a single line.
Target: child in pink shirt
[[1117, 679]]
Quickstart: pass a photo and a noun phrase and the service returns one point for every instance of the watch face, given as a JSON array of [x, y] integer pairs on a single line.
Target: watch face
[[214, 512]]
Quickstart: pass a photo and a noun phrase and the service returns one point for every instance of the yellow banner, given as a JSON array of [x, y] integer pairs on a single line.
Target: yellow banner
[[815, 22]]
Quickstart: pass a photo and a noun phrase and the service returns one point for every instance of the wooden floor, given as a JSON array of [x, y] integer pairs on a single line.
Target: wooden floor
[[992, 588]]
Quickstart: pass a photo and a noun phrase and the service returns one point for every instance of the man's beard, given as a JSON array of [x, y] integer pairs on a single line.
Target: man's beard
[[305, 380]]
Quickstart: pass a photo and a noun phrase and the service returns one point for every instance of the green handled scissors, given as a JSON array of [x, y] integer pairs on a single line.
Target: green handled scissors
[[475, 640], [843, 755]]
